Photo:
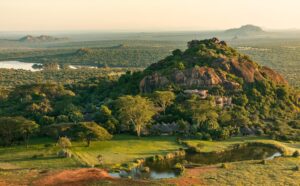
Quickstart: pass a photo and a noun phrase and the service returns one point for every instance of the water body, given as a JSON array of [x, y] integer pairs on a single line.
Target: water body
[[164, 169], [28, 66], [17, 65]]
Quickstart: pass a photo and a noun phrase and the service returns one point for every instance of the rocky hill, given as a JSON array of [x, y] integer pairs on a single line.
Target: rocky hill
[[206, 64], [41, 38], [246, 30]]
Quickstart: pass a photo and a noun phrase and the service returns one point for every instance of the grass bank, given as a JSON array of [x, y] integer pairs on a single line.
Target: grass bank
[[121, 149], [288, 148]]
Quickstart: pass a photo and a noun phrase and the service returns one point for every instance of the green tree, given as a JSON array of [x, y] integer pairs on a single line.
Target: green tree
[[90, 131], [163, 99], [135, 110], [76, 116], [64, 142], [13, 129], [180, 66], [27, 128], [241, 100], [103, 115]]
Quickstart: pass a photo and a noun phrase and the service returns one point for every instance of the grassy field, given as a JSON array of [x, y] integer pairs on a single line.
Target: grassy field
[[280, 171], [210, 146], [120, 149], [124, 148], [35, 156]]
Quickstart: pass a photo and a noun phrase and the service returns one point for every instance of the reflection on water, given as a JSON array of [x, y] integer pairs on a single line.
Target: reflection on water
[[277, 154], [162, 175], [164, 169], [17, 65], [238, 154]]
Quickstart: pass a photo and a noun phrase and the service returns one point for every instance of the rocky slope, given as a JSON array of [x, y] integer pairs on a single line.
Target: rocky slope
[[206, 63]]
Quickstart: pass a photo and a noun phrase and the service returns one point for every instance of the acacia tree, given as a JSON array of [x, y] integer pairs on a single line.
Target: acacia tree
[[27, 128], [90, 131], [135, 110], [203, 114], [15, 128], [164, 99]]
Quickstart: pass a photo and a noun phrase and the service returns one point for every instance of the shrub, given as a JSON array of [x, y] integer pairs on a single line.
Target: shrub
[[62, 119], [48, 145], [145, 169], [207, 137], [35, 156], [64, 142], [199, 136], [224, 166], [179, 168], [296, 168], [263, 162], [296, 154], [64, 153]]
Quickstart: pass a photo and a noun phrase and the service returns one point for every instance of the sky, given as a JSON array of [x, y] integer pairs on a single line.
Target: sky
[[146, 15]]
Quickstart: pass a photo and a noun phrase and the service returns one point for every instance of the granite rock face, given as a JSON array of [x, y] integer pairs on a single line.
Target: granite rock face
[[207, 63]]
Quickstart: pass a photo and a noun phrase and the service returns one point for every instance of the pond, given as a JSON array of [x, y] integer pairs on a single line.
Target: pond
[[17, 65], [164, 169], [29, 66]]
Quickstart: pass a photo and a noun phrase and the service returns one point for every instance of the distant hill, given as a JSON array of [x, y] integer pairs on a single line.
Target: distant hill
[[246, 30], [41, 38]]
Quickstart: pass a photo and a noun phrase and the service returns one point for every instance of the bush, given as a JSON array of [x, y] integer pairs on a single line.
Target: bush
[[64, 153], [296, 168], [224, 166], [48, 145], [111, 125], [64, 142], [62, 119], [145, 169], [179, 168], [263, 162], [35, 156], [207, 137], [46, 120], [199, 136], [296, 154]]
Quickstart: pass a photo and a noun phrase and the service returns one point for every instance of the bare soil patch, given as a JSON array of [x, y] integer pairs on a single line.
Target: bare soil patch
[[191, 176], [72, 177]]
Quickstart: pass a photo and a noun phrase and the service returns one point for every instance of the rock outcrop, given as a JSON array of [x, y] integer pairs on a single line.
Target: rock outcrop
[[207, 63]]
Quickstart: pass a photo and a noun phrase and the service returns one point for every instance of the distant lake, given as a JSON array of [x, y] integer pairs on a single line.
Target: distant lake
[[17, 65]]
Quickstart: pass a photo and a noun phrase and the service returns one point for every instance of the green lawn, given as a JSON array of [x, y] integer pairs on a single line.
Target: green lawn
[[210, 146], [35, 156], [121, 149], [124, 148]]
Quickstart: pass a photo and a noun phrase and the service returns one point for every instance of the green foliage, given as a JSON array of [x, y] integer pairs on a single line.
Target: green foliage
[[64, 142], [135, 110], [76, 116], [179, 168], [180, 66], [90, 131], [12, 129], [296, 154], [163, 99], [241, 100]]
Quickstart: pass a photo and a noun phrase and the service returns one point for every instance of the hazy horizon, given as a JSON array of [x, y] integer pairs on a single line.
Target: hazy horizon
[[145, 15]]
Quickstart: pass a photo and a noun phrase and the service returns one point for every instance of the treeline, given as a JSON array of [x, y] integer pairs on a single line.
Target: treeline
[[118, 107], [10, 78]]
